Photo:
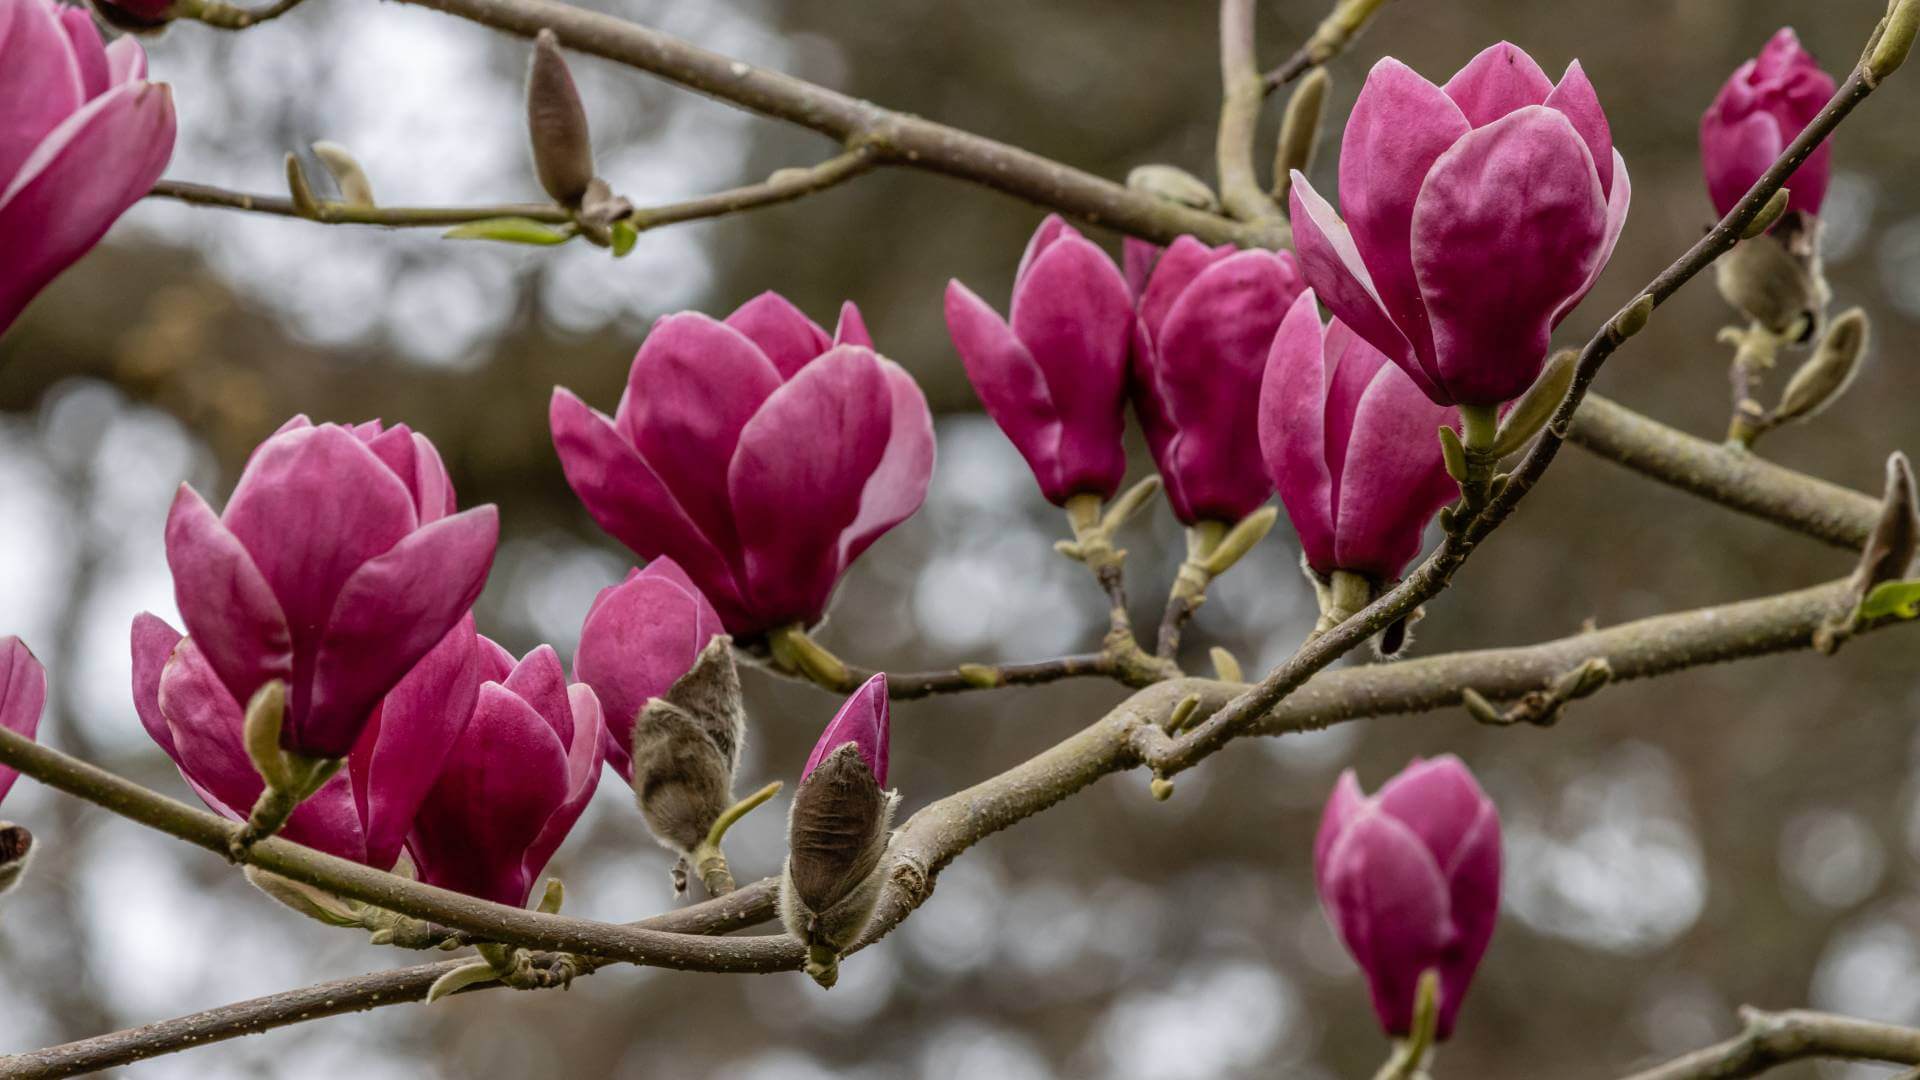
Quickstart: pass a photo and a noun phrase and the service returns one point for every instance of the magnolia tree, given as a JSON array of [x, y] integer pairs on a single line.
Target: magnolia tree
[[370, 759]]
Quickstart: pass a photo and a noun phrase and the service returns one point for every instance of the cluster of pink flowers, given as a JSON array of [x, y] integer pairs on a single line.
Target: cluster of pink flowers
[[751, 460]]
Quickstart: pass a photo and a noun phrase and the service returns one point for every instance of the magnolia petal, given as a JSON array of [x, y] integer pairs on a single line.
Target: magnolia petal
[[1497, 82], [783, 332]]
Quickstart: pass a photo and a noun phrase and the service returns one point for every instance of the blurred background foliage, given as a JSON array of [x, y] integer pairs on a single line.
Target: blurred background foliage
[[1737, 834]]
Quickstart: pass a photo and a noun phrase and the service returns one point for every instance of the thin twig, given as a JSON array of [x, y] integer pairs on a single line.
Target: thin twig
[[1241, 95], [1335, 32], [1777, 1038], [896, 138]]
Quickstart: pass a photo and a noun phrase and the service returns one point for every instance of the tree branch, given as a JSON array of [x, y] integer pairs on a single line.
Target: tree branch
[[1732, 478], [783, 186], [895, 138], [1329, 40], [1777, 1038], [1241, 94]]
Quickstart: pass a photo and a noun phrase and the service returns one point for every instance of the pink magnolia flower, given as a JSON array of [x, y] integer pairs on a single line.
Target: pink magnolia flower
[[1207, 318], [1053, 373], [516, 781], [83, 136], [1763, 107], [1477, 215], [862, 721], [640, 636], [23, 694], [762, 456], [336, 567], [364, 811], [1410, 879], [1350, 442]]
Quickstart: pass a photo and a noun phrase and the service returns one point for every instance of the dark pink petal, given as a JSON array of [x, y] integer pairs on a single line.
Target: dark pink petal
[[1137, 258], [851, 329], [1209, 357], [1344, 803], [89, 54], [627, 499], [585, 755], [1351, 367], [1736, 154], [390, 612], [1051, 229], [1174, 270], [899, 485], [1473, 883], [1765, 104], [694, 385], [639, 637], [541, 681], [1499, 81], [1575, 97], [1394, 478], [783, 332], [501, 783], [153, 645], [1401, 124], [1509, 226], [1292, 437], [68, 189], [1439, 800], [202, 723], [417, 463], [1338, 276], [23, 694], [1386, 897], [225, 601], [39, 80], [1014, 392], [1617, 205], [312, 507], [395, 762], [863, 721], [797, 478], [1074, 314]]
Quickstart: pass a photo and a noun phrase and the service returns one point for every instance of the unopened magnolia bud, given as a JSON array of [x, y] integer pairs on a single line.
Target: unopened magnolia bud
[[1536, 406], [1175, 185], [348, 176], [135, 16], [1775, 280], [1299, 131], [557, 124], [1240, 539], [1768, 215], [305, 899], [685, 747], [837, 833], [1823, 378], [16, 850], [261, 732], [299, 190], [1889, 551], [1896, 39]]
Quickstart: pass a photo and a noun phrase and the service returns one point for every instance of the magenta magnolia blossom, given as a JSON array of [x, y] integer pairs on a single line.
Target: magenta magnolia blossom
[[1053, 373], [516, 781], [23, 693], [1476, 215], [1207, 318], [364, 811], [1411, 880], [760, 455], [640, 636], [864, 721], [83, 136], [1762, 108], [336, 567], [1349, 441]]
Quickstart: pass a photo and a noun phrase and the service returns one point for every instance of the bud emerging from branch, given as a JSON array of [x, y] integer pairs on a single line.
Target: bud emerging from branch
[[1299, 131], [1411, 881], [355, 189], [16, 850], [557, 124], [837, 833], [686, 744], [1174, 184], [1890, 550], [1827, 374]]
